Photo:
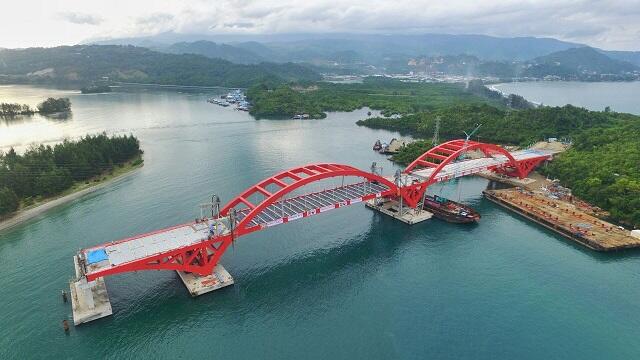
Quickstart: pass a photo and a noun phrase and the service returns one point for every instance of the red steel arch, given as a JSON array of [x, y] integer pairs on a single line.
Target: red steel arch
[[290, 180], [449, 151], [440, 156], [202, 257]]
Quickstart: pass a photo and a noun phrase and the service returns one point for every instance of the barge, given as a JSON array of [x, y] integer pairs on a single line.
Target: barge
[[449, 210]]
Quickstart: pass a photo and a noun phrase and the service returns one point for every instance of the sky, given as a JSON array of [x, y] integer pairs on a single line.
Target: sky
[[607, 24]]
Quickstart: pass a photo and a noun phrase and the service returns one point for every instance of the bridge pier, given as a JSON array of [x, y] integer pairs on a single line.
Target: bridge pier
[[394, 209], [198, 285], [89, 299]]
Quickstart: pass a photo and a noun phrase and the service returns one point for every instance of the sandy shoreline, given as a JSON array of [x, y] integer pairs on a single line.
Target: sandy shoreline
[[28, 214]]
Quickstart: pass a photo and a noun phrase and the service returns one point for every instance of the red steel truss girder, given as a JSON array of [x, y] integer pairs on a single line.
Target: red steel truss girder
[[201, 258], [198, 258], [412, 194], [313, 172], [442, 152]]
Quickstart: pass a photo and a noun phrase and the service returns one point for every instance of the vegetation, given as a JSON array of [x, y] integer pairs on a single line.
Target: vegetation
[[52, 105], [48, 106], [390, 96], [210, 49], [602, 167], [583, 63], [82, 64], [44, 171], [498, 125], [7, 109]]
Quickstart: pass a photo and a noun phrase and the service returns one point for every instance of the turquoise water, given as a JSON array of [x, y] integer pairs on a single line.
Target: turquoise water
[[619, 96], [349, 283]]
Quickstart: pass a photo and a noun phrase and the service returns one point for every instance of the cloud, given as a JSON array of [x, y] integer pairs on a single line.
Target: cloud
[[80, 18], [603, 23]]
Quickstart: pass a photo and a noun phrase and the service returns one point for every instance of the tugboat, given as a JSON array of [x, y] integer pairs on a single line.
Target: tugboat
[[377, 146], [449, 210]]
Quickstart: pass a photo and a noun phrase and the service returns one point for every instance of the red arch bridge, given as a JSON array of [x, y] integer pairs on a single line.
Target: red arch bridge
[[195, 248]]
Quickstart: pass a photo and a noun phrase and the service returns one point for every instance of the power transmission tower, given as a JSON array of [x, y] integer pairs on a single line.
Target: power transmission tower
[[436, 132]]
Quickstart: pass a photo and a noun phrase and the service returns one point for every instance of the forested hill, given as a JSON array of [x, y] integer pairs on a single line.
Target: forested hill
[[83, 64], [212, 50], [578, 62]]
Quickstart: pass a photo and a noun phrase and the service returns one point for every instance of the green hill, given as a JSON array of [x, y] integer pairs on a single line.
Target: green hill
[[582, 61], [215, 51], [82, 64]]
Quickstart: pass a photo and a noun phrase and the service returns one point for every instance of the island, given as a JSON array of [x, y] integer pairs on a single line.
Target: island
[[47, 107], [45, 176]]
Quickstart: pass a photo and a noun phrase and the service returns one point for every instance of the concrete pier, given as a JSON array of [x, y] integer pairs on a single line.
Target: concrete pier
[[392, 208], [89, 300], [198, 285]]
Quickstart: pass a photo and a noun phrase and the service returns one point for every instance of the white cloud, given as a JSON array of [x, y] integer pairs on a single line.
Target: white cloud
[[611, 24], [81, 19]]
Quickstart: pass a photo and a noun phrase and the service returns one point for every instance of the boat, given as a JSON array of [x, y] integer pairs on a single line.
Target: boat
[[218, 102], [449, 210], [377, 146]]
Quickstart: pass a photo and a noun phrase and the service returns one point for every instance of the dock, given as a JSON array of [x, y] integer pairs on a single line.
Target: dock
[[564, 218]]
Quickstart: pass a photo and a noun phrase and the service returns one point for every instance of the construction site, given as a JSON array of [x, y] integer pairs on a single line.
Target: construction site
[[557, 210]]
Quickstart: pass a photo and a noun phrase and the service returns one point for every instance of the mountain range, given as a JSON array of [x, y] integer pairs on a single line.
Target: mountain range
[[374, 49]]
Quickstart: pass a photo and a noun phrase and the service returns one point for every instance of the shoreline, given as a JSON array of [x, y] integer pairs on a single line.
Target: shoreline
[[24, 215]]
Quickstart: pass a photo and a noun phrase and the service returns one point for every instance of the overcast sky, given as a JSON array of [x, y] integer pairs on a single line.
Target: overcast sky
[[608, 24]]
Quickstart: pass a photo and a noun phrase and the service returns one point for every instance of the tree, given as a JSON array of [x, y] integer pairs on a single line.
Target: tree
[[52, 105], [8, 201]]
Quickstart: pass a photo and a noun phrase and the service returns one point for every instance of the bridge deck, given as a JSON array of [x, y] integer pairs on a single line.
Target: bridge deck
[[139, 247], [472, 166], [120, 252]]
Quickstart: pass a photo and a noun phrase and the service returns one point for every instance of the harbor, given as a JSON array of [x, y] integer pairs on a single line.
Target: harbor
[[235, 97]]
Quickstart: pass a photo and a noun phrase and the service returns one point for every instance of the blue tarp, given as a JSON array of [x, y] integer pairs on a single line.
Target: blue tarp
[[96, 256]]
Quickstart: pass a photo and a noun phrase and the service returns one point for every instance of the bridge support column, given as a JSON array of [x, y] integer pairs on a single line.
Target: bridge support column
[[198, 285], [89, 300]]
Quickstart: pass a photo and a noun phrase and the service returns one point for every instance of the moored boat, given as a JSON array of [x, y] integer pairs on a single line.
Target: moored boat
[[449, 210]]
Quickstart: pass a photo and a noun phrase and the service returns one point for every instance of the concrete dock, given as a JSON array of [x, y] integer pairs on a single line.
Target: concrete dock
[[392, 208], [565, 219]]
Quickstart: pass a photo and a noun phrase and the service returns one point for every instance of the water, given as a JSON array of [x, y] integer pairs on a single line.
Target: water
[[350, 283], [620, 96]]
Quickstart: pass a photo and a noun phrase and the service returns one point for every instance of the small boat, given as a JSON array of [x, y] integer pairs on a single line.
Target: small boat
[[377, 146], [449, 210]]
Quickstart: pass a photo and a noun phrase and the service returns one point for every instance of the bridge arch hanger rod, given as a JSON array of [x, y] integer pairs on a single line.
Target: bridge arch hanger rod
[[312, 173]]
